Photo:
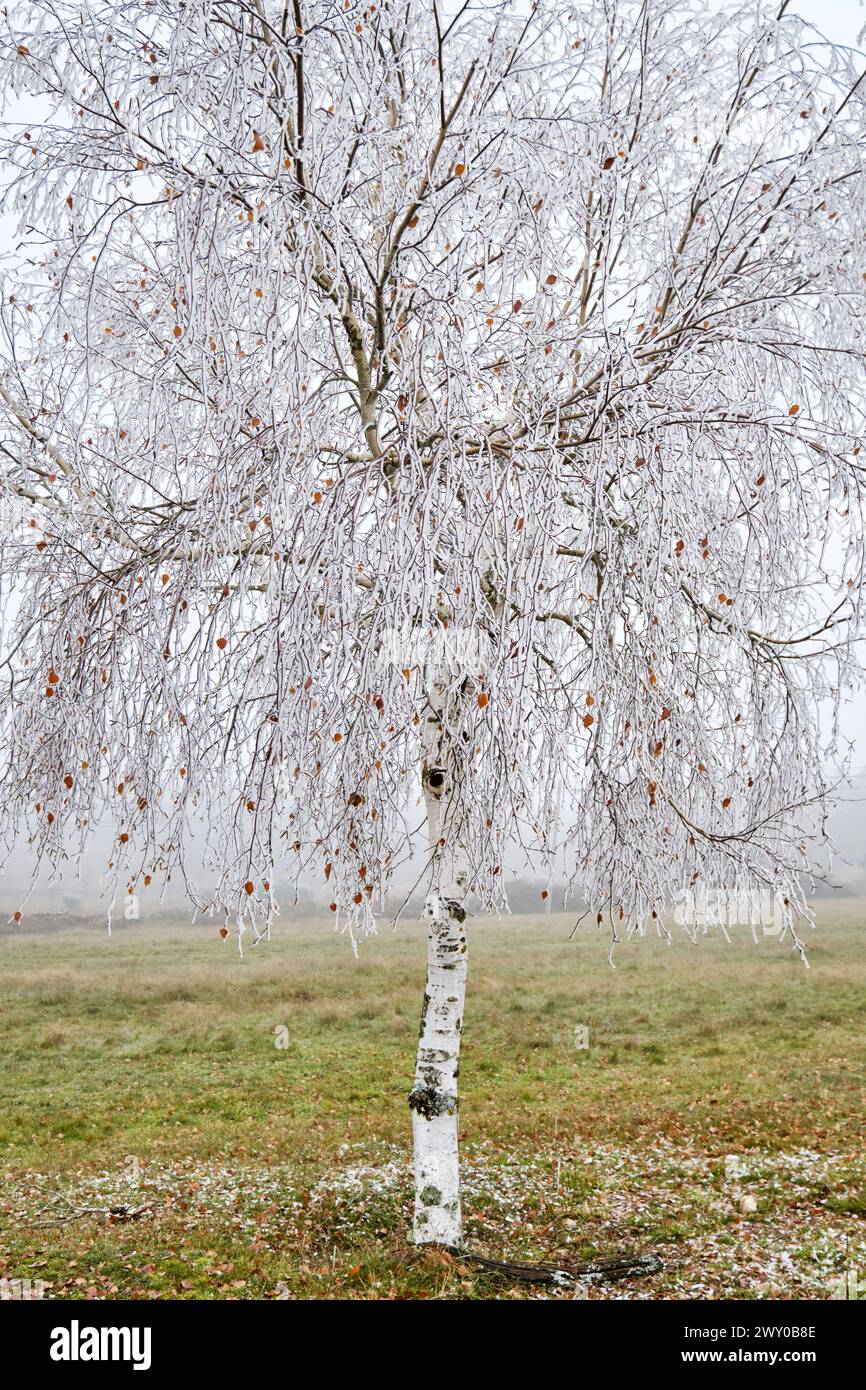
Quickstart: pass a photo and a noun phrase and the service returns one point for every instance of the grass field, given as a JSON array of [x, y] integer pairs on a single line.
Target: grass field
[[143, 1071]]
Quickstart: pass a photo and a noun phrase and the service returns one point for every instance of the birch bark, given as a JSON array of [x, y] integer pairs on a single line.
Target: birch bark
[[434, 1095]]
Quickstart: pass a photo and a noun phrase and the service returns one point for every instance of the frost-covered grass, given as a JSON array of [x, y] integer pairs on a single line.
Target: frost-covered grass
[[268, 1170]]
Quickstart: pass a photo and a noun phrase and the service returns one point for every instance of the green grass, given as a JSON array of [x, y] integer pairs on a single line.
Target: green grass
[[159, 1043]]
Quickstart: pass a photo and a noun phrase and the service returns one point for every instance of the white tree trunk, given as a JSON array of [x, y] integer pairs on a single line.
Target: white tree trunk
[[434, 1098]]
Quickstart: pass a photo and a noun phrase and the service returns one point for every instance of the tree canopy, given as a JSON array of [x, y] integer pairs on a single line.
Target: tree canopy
[[362, 359]]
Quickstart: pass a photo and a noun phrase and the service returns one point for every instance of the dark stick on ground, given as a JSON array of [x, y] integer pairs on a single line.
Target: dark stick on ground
[[608, 1267]]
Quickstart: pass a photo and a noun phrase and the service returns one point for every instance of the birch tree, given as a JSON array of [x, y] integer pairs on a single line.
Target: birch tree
[[419, 410]]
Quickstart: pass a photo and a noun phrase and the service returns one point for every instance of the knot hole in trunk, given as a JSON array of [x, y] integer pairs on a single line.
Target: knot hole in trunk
[[434, 780]]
